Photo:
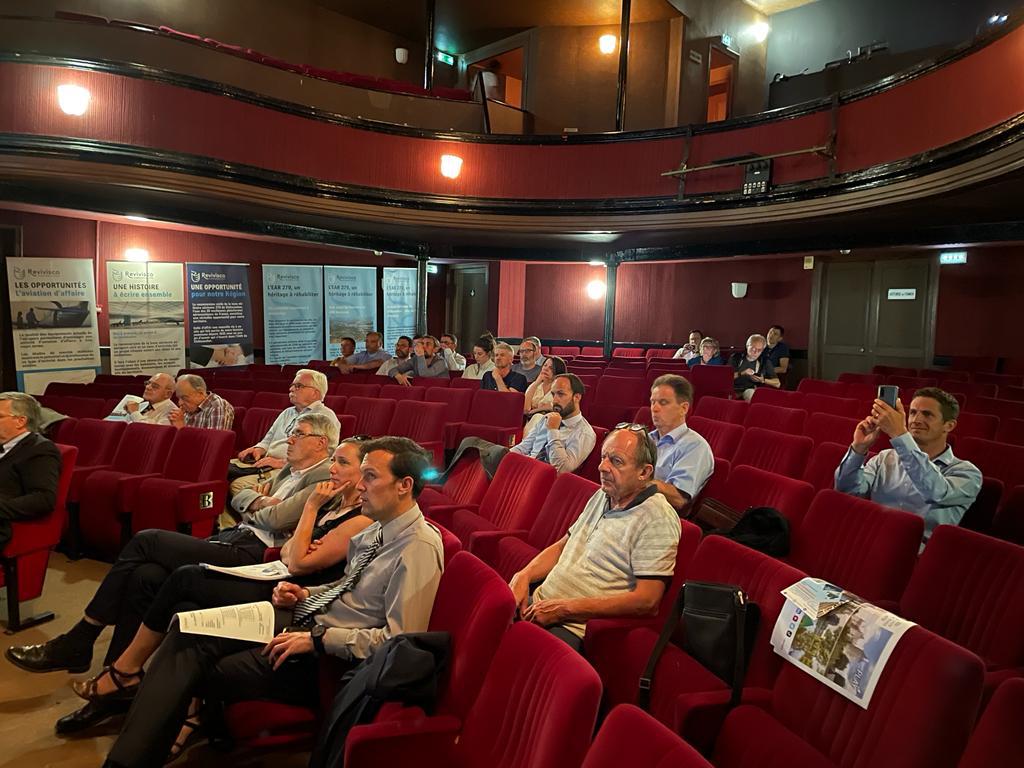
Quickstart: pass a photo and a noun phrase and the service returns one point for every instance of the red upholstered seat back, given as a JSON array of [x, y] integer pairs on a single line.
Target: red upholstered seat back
[[859, 545], [969, 588], [419, 421], [499, 409], [999, 460], [356, 390], [752, 487], [143, 448], [721, 409], [199, 454], [715, 380], [629, 736], [457, 401], [774, 452], [467, 482], [275, 400], [398, 392], [96, 440], [838, 406], [981, 425], [998, 740], [821, 467], [781, 397], [517, 492], [256, 424], [537, 707], [776, 418], [562, 505], [589, 467], [827, 428], [723, 437], [372, 416], [820, 387]]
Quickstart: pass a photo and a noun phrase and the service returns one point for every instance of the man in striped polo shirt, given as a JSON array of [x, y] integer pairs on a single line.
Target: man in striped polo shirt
[[619, 555]]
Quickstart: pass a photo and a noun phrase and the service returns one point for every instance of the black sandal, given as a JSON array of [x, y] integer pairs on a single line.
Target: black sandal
[[86, 689], [179, 747]]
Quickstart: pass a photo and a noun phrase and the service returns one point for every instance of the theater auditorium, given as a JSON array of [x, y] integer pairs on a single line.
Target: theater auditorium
[[571, 384]]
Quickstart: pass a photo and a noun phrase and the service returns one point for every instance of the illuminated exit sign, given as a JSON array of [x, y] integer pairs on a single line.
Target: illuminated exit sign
[[953, 257], [446, 58]]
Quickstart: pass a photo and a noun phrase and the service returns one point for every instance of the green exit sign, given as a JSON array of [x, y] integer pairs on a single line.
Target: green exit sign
[[446, 58]]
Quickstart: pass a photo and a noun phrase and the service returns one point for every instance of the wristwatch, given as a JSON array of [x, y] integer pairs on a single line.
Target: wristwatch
[[317, 634]]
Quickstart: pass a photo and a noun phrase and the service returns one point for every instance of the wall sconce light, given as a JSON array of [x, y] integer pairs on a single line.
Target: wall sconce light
[[136, 254], [451, 166], [596, 289], [739, 290], [759, 31], [607, 43], [73, 99], [401, 55]]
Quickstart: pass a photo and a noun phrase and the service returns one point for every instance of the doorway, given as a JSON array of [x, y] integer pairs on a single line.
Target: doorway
[[878, 312], [503, 76], [467, 308], [722, 65]]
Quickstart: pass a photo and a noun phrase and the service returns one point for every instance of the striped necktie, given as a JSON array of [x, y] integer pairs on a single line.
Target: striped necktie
[[309, 607]]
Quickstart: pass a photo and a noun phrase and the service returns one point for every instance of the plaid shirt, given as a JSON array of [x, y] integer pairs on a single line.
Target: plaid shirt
[[213, 413]]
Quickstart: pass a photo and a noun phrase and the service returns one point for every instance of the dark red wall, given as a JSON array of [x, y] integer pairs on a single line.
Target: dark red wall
[[557, 305], [58, 236]]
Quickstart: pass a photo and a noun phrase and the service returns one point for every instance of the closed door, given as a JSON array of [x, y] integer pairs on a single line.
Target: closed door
[[468, 308], [879, 312]]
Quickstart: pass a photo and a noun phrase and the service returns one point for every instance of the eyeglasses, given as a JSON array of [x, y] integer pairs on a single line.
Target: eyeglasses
[[631, 427], [296, 385], [296, 434]]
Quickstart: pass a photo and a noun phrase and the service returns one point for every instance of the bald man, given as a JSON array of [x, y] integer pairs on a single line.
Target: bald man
[[158, 393]]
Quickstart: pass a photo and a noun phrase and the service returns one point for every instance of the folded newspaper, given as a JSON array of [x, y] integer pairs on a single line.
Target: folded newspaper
[[836, 637]]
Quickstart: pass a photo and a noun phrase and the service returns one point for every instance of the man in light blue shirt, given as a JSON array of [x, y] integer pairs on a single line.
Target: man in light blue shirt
[[372, 358], [564, 439], [919, 473], [685, 460]]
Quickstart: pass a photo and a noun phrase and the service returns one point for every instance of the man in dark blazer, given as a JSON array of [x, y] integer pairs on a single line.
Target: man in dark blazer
[[29, 463]]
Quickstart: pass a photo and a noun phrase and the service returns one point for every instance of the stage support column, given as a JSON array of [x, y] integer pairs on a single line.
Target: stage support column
[[620, 96], [428, 44], [422, 259], [611, 268]]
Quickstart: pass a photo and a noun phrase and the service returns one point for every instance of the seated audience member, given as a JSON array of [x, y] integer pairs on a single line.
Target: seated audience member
[[530, 360], [450, 350], [306, 393], [348, 349], [919, 473], [627, 527], [403, 348], [315, 553], [29, 464], [389, 585], [502, 377], [152, 555], [563, 438], [777, 350], [538, 395], [482, 362], [369, 360], [425, 363], [691, 348], [752, 370], [157, 394], [198, 407], [685, 461], [709, 354]]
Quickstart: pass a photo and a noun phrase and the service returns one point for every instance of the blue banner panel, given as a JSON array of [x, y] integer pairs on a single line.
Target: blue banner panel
[[219, 315], [293, 313]]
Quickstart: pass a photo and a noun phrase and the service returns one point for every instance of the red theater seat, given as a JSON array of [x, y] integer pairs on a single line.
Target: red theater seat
[[837, 406], [628, 352], [239, 398], [826, 428], [920, 716], [789, 421], [356, 390], [461, 383], [751, 487], [967, 587], [723, 437], [999, 379], [589, 467], [970, 390], [336, 403], [998, 460], [1009, 520], [872, 379], [373, 416], [1011, 431], [456, 401], [889, 370], [998, 739], [508, 551], [821, 467], [466, 484], [859, 545], [422, 422], [398, 392], [982, 513], [721, 409], [435, 381], [193, 489], [537, 707], [493, 416], [780, 397], [255, 425], [629, 736], [774, 452], [592, 352], [820, 387], [711, 381], [981, 425], [1011, 393], [684, 695], [274, 400], [562, 351], [912, 382], [97, 442], [1010, 409], [616, 399], [26, 554]]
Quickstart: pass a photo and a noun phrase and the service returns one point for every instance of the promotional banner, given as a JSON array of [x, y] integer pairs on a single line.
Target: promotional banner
[[350, 299], [293, 313], [399, 305], [146, 311], [53, 314], [219, 315]]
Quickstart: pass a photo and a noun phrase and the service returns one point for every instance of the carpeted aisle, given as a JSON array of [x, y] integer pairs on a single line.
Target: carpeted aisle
[[30, 704]]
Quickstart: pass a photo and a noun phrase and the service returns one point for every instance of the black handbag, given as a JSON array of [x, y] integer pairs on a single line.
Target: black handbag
[[717, 629]]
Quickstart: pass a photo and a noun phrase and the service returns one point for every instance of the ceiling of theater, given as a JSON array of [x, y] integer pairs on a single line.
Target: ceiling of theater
[[768, 7], [463, 25]]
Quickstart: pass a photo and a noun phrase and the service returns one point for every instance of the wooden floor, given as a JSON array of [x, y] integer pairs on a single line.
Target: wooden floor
[[30, 703]]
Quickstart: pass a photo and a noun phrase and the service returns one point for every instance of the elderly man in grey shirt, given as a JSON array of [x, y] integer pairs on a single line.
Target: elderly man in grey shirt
[[919, 473], [394, 568]]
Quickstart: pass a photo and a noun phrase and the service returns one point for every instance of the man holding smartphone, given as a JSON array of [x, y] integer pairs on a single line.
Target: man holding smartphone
[[919, 473]]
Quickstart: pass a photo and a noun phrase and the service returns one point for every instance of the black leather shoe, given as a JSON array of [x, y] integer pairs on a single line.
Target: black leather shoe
[[93, 713], [59, 653]]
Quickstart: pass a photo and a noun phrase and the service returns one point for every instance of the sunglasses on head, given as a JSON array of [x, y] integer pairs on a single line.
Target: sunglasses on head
[[631, 426]]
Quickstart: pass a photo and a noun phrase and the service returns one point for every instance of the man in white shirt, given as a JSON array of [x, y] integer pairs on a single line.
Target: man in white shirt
[[564, 439], [157, 393], [403, 348], [449, 348]]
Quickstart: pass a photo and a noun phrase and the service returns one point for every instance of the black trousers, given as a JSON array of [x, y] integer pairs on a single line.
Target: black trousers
[[192, 665], [571, 639], [146, 562], [192, 587]]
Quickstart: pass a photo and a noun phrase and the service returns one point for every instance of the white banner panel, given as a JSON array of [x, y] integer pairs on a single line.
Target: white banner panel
[[350, 300], [399, 305], [146, 312], [53, 314], [293, 313]]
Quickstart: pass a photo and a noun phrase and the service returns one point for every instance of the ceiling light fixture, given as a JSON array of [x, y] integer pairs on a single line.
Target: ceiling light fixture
[[73, 99], [607, 43], [451, 166]]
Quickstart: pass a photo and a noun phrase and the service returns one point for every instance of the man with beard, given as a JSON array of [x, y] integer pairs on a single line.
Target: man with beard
[[425, 363], [564, 439], [403, 348]]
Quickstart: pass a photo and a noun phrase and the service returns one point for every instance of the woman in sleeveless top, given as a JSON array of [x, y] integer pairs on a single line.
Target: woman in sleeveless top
[[537, 402]]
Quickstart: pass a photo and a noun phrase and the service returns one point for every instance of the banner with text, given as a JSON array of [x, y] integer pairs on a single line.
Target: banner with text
[[219, 315], [399, 305], [350, 299], [53, 315], [293, 313], [146, 311]]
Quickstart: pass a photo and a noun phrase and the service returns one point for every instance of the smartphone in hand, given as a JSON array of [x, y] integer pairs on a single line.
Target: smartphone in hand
[[889, 394]]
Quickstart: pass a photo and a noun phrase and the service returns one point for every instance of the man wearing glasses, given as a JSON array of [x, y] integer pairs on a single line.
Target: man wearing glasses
[[157, 394], [306, 393], [29, 464], [530, 359], [619, 555]]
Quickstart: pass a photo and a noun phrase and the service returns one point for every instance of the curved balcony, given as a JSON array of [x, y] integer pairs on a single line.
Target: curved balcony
[[944, 127]]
